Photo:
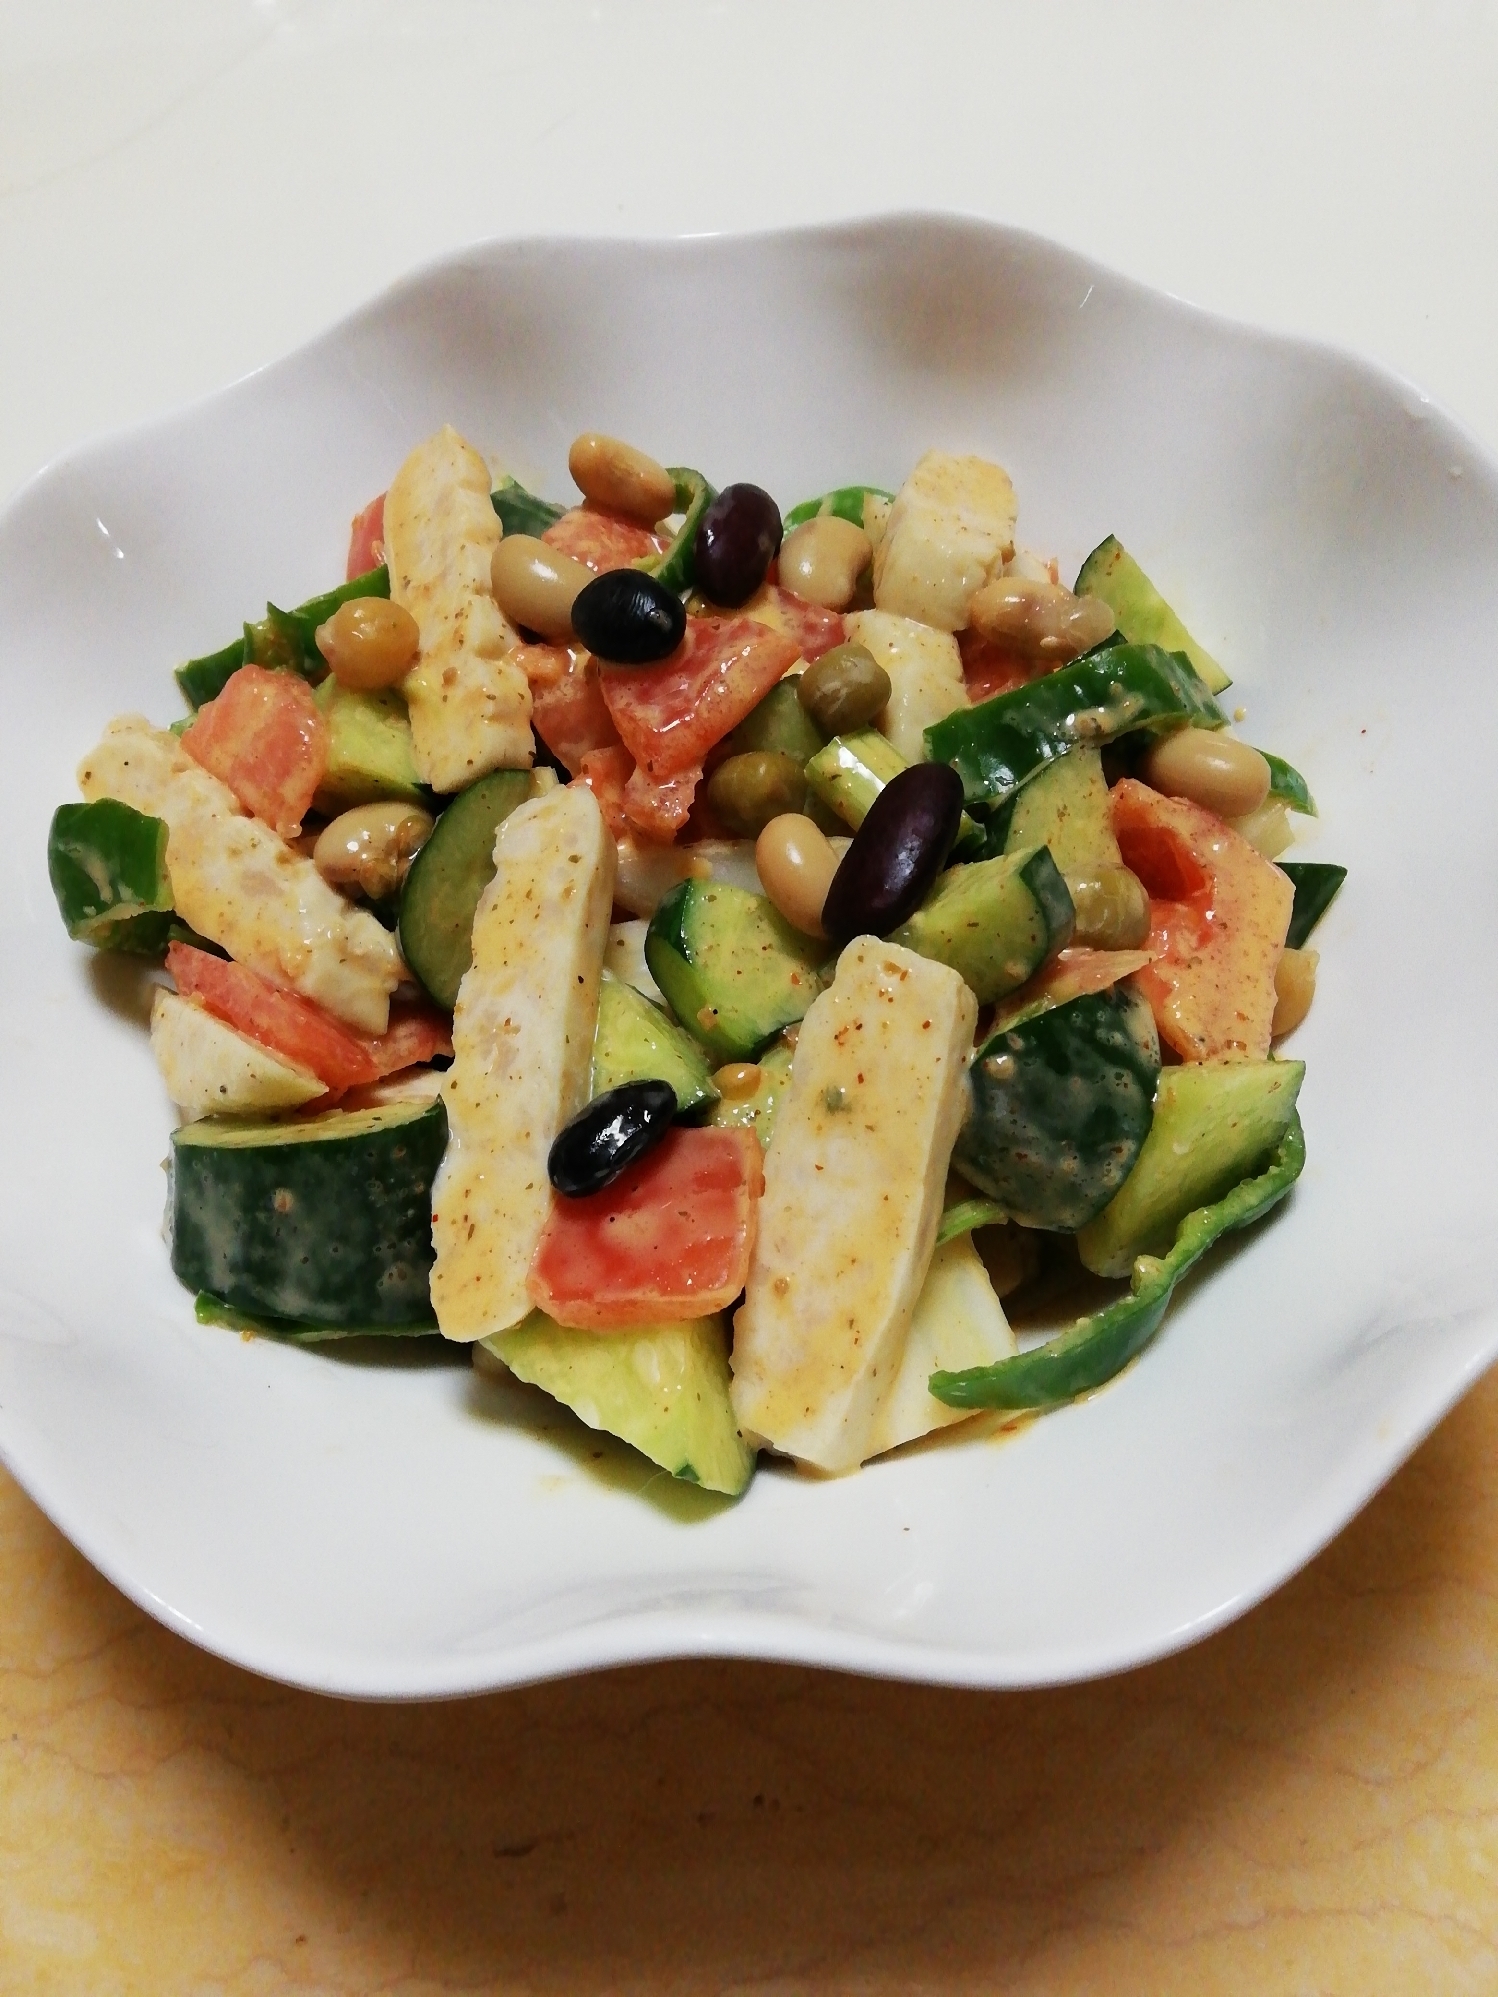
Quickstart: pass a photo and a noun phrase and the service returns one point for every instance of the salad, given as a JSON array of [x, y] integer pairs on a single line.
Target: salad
[[710, 961]]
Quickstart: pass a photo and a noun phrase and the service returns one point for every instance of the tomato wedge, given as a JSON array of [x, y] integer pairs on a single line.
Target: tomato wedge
[[567, 705], [600, 539], [301, 1032], [607, 772], [266, 738], [989, 668], [366, 541], [814, 629], [1218, 915], [670, 715], [670, 1238]]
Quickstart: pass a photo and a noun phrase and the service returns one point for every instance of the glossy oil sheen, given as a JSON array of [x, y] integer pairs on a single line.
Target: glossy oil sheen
[[1297, 1370], [896, 854]]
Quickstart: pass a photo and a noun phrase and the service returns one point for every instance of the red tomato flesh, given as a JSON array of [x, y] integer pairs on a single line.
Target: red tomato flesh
[[670, 715], [601, 540], [567, 706], [607, 772], [266, 738], [366, 541], [814, 629], [670, 1238], [989, 669], [300, 1032]]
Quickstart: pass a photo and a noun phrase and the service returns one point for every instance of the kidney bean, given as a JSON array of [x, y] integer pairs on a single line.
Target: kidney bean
[[896, 854], [613, 1131], [738, 538], [628, 618]]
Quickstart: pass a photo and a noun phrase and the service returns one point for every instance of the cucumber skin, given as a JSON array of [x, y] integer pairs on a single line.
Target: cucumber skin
[[1062, 1106], [332, 1233], [1111, 573], [1316, 883], [447, 879], [107, 865]]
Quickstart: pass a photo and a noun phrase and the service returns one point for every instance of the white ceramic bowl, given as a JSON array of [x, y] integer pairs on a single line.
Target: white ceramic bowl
[[405, 1529]]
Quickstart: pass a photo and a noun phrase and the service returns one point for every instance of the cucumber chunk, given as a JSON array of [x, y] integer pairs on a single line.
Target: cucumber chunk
[[662, 1388], [779, 723], [1215, 1122], [107, 865], [995, 922], [1062, 1108], [1065, 806], [325, 1220], [1111, 574], [732, 968], [369, 749], [851, 771], [447, 878], [635, 1042]]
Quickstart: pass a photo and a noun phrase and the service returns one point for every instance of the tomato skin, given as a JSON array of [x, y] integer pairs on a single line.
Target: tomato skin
[[989, 669], [299, 1031], [670, 1238], [1218, 915], [267, 739], [607, 772], [366, 541], [601, 540], [670, 715], [567, 704]]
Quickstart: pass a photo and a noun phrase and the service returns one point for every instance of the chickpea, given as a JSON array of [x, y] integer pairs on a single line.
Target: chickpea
[[747, 791], [369, 642], [371, 847], [1113, 909], [1041, 618], [796, 865], [1209, 768], [844, 689], [535, 585], [616, 475], [822, 559], [1294, 988]]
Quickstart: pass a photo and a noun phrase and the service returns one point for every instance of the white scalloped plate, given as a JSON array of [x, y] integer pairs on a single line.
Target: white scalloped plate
[[405, 1529]]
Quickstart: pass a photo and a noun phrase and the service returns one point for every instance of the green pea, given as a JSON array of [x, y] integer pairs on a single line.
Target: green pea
[[1113, 909], [747, 791], [844, 689]]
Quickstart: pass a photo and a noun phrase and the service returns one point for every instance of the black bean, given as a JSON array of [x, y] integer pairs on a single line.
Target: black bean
[[628, 618], [896, 854], [614, 1130], [738, 538]]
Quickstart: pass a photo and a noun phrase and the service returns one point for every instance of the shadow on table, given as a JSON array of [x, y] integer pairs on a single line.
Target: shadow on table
[[710, 1825]]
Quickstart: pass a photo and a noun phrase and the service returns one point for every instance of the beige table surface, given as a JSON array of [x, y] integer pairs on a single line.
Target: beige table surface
[[1307, 1802]]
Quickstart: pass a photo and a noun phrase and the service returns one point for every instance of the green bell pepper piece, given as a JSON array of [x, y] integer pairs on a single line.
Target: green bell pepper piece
[[676, 568], [521, 512], [1316, 883], [846, 503], [284, 638], [1098, 1347], [107, 865], [1289, 786], [998, 745], [964, 1215]]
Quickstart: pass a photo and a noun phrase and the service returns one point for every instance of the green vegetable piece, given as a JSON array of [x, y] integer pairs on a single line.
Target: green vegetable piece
[[848, 502], [213, 1310], [521, 512], [369, 749], [675, 568], [448, 876], [1316, 884], [1214, 1122], [851, 771], [731, 967], [282, 638], [995, 921], [1289, 786], [778, 723], [757, 1112], [107, 865], [1000, 744], [1062, 1108], [963, 1216], [1098, 1347], [1065, 807], [636, 1042], [1144, 617], [324, 1220], [661, 1388]]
